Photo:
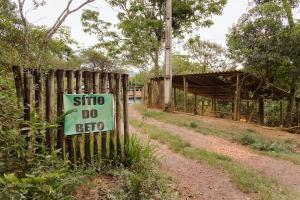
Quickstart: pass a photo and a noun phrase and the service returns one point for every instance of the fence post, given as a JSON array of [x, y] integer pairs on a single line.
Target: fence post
[[87, 90], [125, 109], [38, 86], [60, 94], [79, 138], [112, 133], [103, 134], [95, 91], [118, 115], [49, 108], [69, 139], [28, 105], [18, 83]]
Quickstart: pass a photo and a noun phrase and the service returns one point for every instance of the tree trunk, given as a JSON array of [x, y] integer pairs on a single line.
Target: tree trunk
[[291, 102]]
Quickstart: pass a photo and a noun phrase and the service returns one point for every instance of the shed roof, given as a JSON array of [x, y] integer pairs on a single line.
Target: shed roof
[[222, 85]]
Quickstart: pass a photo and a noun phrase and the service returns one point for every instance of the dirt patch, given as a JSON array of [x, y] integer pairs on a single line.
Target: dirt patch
[[96, 188], [285, 171], [195, 180]]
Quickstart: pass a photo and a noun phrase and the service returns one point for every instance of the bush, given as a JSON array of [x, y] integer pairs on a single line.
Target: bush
[[193, 125], [247, 140]]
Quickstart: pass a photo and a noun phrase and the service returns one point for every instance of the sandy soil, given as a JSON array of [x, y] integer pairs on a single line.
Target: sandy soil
[[284, 171], [195, 180]]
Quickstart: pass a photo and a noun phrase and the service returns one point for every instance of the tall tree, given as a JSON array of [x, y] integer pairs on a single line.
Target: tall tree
[[142, 25], [267, 46], [209, 55]]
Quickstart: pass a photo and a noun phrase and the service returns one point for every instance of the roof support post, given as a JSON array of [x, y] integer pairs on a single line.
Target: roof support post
[[281, 113], [237, 103], [150, 91], [175, 100], [261, 110], [134, 95], [297, 112], [185, 91], [195, 104]]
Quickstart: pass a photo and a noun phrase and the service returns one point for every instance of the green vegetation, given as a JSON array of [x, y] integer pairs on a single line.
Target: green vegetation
[[267, 146], [248, 180], [29, 171]]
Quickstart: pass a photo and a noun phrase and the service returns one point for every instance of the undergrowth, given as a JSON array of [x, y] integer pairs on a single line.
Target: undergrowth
[[248, 180], [29, 171]]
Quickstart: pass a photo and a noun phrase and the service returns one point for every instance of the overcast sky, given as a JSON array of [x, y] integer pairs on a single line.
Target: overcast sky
[[46, 16]]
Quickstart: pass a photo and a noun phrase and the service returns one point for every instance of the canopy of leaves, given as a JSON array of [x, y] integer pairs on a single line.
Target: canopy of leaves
[[142, 25], [264, 43], [209, 55]]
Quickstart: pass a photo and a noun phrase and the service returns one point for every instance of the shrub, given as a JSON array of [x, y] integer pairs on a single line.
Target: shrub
[[247, 140], [193, 125]]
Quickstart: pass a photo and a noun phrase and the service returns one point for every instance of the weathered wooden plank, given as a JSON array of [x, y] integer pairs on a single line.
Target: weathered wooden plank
[[38, 87], [104, 134], [95, 91], [87, 90], [70, 139], [112, 142], [125, 108], [49, 108], [60, 129], [118, 115], [79, 138], [18, 84]]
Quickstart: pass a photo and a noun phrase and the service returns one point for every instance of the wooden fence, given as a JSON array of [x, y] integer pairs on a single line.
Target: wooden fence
[[42, 92]]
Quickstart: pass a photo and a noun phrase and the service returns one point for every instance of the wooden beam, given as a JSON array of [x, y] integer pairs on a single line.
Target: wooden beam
[[261, 111], [125, 109], [281, 113], [195, 105], [237, 99], [175, 99], [185, 91], [134, 95], [297, 112]]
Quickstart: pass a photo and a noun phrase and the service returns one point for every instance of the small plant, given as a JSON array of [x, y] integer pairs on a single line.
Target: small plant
[[247, 140], [194, 125]]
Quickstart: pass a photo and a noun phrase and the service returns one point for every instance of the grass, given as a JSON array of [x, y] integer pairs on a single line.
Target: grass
[[247, 180], [279, 149]]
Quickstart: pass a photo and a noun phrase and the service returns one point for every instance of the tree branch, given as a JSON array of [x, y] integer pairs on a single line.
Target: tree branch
[[65, 13]]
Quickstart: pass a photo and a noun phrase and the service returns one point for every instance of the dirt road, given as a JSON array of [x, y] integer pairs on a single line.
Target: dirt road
[[284, 171], [195, 180]]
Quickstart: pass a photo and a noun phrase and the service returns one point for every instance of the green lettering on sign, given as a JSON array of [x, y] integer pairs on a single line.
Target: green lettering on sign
[[87, 113]]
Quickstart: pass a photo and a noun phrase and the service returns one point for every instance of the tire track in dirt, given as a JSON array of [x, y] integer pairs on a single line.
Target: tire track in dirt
[[284, 171], [195, 180]]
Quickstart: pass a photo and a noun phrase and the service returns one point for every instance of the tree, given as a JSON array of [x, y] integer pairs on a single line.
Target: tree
[[182, 65], [267, 46], [142, 25], [96, 60], [46, 36], [209, 55]]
